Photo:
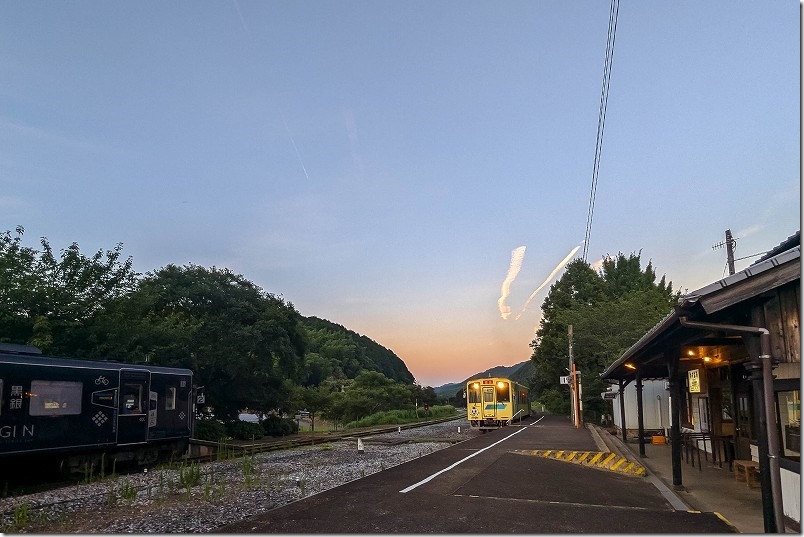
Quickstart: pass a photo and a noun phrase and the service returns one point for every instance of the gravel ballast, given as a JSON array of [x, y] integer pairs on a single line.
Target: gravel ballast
[[219, 493]]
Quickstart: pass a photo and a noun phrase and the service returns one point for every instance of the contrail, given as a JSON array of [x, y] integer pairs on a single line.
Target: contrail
[[296, 148], [517, 255], [242, 20], [550, 277]]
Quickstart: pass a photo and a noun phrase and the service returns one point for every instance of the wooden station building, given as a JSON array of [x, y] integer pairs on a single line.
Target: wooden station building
[[730, 356]]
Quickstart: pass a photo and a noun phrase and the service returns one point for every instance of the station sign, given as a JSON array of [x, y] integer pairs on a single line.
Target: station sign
[[694, 380]]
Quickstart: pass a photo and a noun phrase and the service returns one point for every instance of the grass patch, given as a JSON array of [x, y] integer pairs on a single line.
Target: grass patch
[[402, 417]]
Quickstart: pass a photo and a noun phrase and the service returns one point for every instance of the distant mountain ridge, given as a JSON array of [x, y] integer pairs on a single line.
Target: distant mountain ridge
[[520, 372]]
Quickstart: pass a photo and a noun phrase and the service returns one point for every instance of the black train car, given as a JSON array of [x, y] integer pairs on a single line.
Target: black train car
[[82, 413]]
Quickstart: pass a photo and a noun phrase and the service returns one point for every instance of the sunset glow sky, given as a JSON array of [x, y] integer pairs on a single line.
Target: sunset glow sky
[[413, 170]]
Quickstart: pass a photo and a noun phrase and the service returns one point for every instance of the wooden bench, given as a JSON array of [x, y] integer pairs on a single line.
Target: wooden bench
[[747, 471]]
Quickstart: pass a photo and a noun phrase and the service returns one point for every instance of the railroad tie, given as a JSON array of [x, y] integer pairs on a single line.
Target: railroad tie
[[598, 459]]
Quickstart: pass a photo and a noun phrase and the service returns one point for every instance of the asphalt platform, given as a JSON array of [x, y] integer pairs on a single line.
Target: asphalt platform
[[489, 485]]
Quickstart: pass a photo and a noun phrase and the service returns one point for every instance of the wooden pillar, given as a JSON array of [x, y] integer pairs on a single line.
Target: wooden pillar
[[622, 410], [761, 427], [640, 415], [671, 357]]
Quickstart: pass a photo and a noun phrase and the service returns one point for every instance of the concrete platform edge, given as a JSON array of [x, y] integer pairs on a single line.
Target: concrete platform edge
[[614, 444]]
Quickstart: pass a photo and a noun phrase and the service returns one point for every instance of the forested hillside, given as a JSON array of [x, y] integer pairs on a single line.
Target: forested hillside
[[335, 346], [248, 348]]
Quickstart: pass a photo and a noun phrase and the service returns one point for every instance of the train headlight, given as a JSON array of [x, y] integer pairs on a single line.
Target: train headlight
[[475, 385], [501, 385]]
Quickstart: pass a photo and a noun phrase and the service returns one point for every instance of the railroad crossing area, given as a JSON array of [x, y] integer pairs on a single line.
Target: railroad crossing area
[[543, 476]]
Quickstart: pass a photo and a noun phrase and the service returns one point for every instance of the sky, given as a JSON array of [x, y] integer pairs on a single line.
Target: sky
[[414, 171]]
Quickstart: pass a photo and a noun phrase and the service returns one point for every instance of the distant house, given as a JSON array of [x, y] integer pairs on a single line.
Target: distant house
[[713, 351]]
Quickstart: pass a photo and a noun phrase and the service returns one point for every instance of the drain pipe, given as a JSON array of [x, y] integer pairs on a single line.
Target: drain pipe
[[770, 406]]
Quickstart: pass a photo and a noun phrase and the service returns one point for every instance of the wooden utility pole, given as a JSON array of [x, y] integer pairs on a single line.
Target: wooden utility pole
[[729, 243], [575, 386], [571, 380]]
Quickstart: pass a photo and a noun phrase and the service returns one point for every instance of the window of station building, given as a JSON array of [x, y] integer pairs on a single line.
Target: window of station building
[[503, 392], [788, 404], [55, 398], [170, 398]]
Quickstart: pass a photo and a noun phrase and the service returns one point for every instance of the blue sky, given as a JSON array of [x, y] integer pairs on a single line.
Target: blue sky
[[377, 163]]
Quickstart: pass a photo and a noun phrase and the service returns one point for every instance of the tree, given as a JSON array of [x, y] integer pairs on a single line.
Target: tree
[[241, 342], [609, 311], [314, 399], [578, 288], [368, 393], [48, 301]]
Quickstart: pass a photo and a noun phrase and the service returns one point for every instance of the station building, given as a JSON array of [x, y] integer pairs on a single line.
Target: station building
[[728, 361]]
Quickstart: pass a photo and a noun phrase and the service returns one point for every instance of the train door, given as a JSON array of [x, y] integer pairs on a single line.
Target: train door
[[133, 407], [489, 404]]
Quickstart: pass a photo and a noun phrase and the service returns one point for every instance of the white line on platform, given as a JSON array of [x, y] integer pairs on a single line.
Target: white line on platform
[[537, 421], [451, 466]]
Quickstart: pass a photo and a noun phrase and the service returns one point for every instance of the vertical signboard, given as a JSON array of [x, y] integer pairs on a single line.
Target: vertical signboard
[[694, 379]]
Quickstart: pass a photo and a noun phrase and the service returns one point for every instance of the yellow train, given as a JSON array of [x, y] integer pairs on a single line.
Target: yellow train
[[495, 402]]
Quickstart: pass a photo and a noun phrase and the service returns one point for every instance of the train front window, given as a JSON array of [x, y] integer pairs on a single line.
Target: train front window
[[488, 394], [473, 394], [503, 392], [55, 398]]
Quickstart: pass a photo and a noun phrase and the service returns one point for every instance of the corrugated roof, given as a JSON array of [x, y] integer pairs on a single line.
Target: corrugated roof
[[787, 244]]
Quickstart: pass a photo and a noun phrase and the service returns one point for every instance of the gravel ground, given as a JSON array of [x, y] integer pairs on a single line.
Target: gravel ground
[[160, 501]]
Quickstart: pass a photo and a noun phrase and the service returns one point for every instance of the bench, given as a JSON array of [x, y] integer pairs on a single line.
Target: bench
[[747, 471]]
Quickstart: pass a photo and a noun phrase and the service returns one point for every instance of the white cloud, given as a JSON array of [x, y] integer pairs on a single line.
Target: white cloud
[[517, 255]]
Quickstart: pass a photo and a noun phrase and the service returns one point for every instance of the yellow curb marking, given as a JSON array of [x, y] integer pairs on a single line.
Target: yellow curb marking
[[600, 459]]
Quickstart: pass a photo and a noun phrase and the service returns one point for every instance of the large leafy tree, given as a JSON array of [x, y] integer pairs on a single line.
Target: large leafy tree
[[609, 311], [47, 300], [241, 342]]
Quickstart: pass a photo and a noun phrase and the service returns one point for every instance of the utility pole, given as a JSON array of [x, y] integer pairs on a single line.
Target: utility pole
[[570, 369], [574, 385], [730, 243]]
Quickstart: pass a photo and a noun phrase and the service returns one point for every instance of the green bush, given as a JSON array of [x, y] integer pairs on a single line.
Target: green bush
[[400, 417], [209, 429], [275, 426], [243, 430]]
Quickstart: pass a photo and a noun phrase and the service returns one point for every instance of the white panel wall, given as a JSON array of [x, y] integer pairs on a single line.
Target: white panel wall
[[654, 406], [791, 494]]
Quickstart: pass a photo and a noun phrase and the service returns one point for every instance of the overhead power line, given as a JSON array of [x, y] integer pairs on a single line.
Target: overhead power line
[[614, 10]]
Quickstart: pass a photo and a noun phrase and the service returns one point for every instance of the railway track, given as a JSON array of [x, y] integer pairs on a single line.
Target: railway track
[[204, 450]]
